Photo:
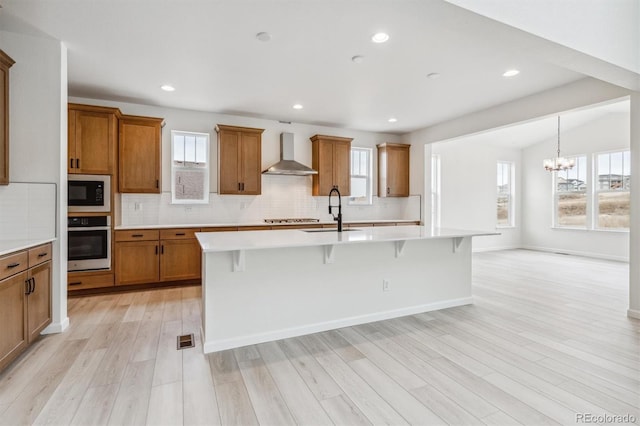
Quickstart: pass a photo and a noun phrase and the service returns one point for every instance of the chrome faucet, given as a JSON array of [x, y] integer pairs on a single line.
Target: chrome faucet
[[339, 206]]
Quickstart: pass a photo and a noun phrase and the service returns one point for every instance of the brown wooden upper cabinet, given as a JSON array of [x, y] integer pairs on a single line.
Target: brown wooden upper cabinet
[[92, 139], [5, 63], [139, 151], [239, 160], [331, 157], [393, 170]]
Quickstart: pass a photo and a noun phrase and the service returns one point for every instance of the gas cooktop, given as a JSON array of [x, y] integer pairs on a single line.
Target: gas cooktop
[[293, 220]]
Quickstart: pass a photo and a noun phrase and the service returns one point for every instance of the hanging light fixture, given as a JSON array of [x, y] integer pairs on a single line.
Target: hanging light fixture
[[558, 163]]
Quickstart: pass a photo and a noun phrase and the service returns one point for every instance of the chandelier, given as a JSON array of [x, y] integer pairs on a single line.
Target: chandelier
[[558, 163]]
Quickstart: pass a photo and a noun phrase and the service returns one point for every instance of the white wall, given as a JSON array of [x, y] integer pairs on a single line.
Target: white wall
[[611, 132], [281, 196], [468, 190], [37, 144]]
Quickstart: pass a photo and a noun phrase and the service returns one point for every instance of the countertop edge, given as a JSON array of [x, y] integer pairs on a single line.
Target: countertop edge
[[255, 240], [12, 246], [221, 225]]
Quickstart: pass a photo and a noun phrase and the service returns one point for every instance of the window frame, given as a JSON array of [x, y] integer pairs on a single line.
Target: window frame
[[436, 190], [206, 169], [511, 217], [368, 199], [597, 190], [556, 195]]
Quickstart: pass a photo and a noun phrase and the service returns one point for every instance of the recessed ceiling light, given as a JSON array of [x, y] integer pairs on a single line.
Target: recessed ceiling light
[[379, 37], [297, 106], [357, 59], [263, 36], [433, 75], [392, 120], [511, 73], [167, 88]]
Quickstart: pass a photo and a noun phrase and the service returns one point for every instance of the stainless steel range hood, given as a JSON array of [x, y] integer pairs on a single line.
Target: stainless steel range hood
[[287, 165]]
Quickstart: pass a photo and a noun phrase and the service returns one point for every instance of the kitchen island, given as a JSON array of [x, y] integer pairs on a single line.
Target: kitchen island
[[262, 286]]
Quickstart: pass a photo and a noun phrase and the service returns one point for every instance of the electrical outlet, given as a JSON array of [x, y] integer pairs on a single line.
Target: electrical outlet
[[385, 285], [137, 206], [187, 209]]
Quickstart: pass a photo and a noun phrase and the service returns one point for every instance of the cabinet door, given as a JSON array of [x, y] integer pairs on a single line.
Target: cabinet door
[[5, 63], [139, 160], [323, 181], [179, 260], [39, 301], [342, 167], [137, 262], [94, 138], [229, 161], [251, 164], [13, 338], [398, 171]]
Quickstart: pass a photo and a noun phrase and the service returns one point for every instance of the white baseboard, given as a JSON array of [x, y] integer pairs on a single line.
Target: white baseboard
[[578, 253], [57, 327], [236, 342], [633, 313], [485, 249]]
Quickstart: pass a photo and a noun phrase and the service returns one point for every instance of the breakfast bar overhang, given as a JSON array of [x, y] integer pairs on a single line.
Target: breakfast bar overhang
[[260, 286]]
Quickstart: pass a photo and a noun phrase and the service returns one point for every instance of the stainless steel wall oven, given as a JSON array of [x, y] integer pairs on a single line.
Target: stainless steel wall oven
[[89, 243]]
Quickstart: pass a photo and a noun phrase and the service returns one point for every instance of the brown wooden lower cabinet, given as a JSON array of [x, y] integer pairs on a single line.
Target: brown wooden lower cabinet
[[151, 256], [13, 339], [25, 300], [85, 280], [137, 262], [180, 260]]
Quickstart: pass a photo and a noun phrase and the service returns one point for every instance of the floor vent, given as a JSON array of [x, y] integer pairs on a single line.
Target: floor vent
[[186, 341]]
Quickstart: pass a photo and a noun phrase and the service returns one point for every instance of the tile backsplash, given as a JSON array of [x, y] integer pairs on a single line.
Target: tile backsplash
[[282, 196], [27, 211]]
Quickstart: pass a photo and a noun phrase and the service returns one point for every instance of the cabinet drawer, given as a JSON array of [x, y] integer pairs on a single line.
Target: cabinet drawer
[[138, 235], [40, 254], [178, 233], [13, 263], [254, 228], [78, 282]]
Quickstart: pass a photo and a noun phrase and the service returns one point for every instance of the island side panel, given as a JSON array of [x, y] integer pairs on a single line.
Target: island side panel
[[288, 292]]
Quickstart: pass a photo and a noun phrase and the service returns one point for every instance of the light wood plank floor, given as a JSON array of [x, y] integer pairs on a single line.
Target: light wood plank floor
[[547, 339]]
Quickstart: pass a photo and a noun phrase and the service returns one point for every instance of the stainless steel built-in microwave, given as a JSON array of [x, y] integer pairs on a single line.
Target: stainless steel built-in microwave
[[89, 193]]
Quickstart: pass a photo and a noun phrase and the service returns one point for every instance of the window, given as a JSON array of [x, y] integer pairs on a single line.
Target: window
[[435, 190], [571, 195], [504, 210], [361, 192], [189, 167], [612, 196]]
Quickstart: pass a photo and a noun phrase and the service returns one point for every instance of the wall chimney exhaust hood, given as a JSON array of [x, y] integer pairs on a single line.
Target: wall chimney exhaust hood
[[287, 165]]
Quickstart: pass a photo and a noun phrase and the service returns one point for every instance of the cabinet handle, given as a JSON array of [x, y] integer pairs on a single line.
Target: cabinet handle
[[156, 250], [388, 190], [77, 163], [27, 285], [76, 283], [242, 186], [33, 281], [43, 254], [12, 265], [239, 187], [157, 183], [180, 234], [71, 163], [137, 235], [162, 249]]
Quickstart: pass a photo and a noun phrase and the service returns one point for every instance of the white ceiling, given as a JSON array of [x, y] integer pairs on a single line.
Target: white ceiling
[[125, 50]]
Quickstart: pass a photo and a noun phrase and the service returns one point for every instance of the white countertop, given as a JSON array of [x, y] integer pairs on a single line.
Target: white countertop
[[10, 246], [252, 240], [214, 225]]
